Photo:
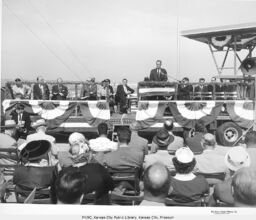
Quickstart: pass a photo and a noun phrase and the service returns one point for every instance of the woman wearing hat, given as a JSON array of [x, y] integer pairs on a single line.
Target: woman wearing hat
[[187, 187]]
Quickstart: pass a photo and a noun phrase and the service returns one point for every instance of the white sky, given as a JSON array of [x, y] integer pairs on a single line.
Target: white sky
[[76, 39]]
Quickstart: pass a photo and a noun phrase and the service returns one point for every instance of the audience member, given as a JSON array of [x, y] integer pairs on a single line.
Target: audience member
[[122, 92], [102, 143], [187, 187], [178, 142], [41, 126], [79, 153], [59, 91], [8, 142], [70, 187], [250, 142], [210, 161], [244, 187], [21, 90], [98, 181], [156, 185], [137, 141], [162, 138], [158, 74], [36, 171], [235, 159], [194, 143], [22, 119], [41, 89], [124, 156], [160, 155]]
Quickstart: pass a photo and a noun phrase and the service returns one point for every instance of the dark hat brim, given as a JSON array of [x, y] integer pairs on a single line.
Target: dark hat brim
[[164, 143], [35, 150]]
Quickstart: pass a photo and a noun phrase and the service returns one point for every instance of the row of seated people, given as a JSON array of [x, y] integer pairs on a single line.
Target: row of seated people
[[176, 177], [214, 91], [90, 91]]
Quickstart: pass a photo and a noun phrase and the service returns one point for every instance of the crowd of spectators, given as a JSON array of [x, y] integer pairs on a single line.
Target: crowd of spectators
[[170, 169]]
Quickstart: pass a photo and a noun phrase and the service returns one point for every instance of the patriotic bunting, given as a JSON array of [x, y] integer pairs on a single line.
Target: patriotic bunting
[[241, 112], [95, 112], [187, 113], [56, 113], [150, 113]]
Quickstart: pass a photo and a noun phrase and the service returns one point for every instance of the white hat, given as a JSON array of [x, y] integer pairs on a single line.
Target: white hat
[[9, 124], [39, 122], [236, 158], [184, 155], [76, 137]]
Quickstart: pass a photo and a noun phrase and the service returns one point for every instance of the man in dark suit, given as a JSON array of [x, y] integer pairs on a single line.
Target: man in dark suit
[[200, 90], [59, 91], [41, 89], [158, 74], [22, 120], [184, 89], [121, 96]]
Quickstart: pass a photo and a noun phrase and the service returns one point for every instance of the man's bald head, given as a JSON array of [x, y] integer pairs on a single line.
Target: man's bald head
[[156, 180]]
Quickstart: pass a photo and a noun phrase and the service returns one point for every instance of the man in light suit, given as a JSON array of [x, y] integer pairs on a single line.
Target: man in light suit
[[122, 92], [158, 74]]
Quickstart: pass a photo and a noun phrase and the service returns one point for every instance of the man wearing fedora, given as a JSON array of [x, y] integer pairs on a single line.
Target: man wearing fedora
[[8, 143], [41, 126], [161, 140], [235, 159], [22, 119]]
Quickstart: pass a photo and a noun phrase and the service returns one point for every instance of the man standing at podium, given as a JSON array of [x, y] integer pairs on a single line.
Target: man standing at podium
[[158, 74]]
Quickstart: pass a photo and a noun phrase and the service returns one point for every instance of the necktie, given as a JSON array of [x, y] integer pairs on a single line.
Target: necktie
[[158, 73], [19, 117]]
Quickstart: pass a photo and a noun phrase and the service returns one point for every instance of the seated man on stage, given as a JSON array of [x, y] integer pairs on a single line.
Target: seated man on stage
[[121, 96], [59, 91], [41, 89], [21, 90], [89, 90], [200, 90], [158, 74], [184, 89]]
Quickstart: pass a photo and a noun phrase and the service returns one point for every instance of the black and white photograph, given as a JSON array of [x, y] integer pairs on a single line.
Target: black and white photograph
[[113, 108]]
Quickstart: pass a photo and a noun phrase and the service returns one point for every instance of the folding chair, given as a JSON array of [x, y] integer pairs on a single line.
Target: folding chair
[[121, 199], [130, 175], [31, 197], [213, 178], [197, 203], [46, 199]]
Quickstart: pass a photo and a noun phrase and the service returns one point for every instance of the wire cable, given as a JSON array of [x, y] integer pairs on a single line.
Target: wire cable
[[58, 35], [43, 43]]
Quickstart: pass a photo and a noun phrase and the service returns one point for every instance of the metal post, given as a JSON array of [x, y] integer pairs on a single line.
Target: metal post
[[235, 56], [254, 105], [214, 59], [224, 61]]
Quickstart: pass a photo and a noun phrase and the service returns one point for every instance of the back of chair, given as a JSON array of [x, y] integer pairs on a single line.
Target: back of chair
[[31, 197], [196, 203], [45, 199], [213, 178], [130, 175], [121, 199]]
